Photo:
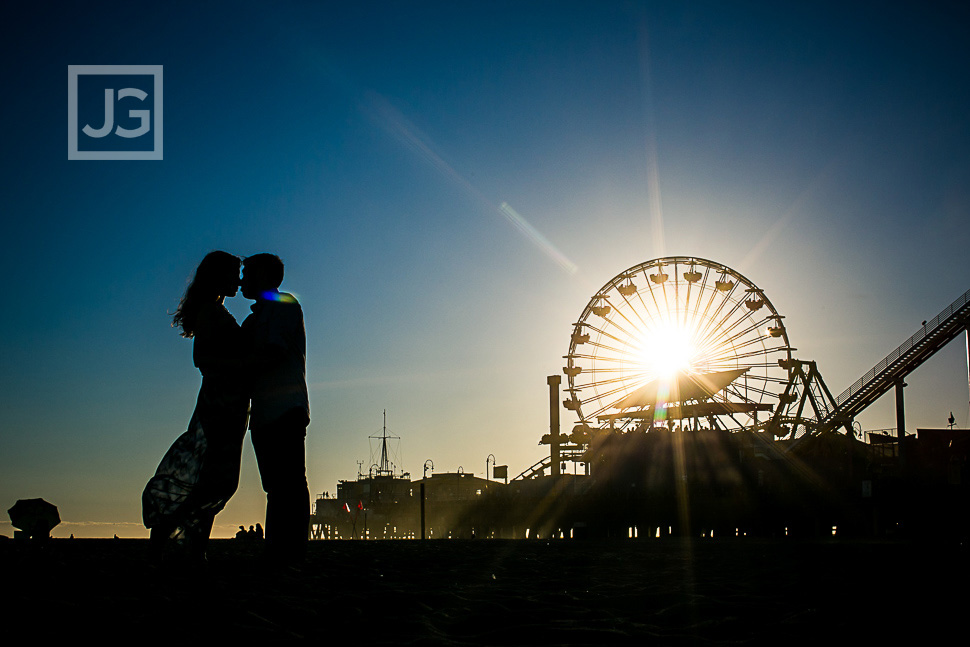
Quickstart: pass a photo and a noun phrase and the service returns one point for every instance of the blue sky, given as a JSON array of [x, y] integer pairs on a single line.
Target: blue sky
[[822, 151]]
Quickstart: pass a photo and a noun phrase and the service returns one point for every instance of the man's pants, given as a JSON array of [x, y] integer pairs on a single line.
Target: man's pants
[[281, 455]]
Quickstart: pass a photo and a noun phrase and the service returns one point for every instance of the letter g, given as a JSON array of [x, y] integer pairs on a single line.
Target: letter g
[[142, 115]]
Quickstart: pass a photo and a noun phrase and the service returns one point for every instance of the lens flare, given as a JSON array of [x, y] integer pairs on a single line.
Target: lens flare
[[281, 297]]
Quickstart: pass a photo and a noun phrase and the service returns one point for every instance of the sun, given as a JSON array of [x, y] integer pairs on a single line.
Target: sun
[[666, 350]]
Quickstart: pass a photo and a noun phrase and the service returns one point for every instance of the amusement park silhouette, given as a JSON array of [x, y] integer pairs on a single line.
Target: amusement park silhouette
[[694, 419]]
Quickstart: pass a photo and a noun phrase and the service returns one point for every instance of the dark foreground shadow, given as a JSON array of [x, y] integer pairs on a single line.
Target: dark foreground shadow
[[497, 592]]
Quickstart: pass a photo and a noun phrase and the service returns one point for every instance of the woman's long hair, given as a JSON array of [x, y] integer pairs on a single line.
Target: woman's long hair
[[203, 289]]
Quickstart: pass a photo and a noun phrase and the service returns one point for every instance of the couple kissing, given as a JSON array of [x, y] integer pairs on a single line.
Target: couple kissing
[[254, 376]]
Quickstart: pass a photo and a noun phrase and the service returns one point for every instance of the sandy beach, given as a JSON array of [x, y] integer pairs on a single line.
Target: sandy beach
[[477, 592]]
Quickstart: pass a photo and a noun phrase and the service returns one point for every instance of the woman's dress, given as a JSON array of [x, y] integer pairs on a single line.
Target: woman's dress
[[200, 472]]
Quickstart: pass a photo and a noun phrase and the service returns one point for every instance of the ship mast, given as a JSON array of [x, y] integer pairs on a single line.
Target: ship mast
[[384, 466]]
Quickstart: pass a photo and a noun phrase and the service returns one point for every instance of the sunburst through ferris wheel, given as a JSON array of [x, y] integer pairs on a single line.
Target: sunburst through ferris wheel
[[676, 341]]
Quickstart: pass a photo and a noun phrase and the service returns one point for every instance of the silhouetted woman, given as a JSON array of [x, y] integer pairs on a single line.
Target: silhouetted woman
[[200, 472]]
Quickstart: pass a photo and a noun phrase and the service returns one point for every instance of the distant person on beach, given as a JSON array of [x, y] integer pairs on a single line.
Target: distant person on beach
[[275, 339], [200, 472]]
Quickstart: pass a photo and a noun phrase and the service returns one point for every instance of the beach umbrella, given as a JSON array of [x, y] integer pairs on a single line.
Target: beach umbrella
[[36, 517]]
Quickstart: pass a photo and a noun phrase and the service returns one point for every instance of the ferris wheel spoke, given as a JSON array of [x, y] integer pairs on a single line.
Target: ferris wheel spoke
[[621, 358], [622, 330], [770, 379], [606, 347], [676, 284], [727, 352], [695, 292], [710, 351], [573, 357], [743, 344], [625, 380], [608, 395], [766, 351], [752, 325], [767, 365], [657, 312], [637, 329], [685, 323], [607, 360], [700, 296], [707, 317], [607, 369], [611, 404], [636, 311], [733, 349], [736, 393], [722, 322], [722, 338], [730, 355], [597, 344], [606, 374], [748, 388], [661, 310], [712, 318], [776, 380]]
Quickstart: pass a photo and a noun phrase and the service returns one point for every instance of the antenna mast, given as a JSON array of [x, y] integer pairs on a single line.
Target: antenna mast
[[384, 466]]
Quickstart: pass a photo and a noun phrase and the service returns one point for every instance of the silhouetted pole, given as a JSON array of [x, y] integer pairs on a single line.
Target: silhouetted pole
[[422, 510], [553, 382], [900, 419]]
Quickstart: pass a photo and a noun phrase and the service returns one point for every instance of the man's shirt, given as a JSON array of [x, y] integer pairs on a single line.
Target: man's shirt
[[277, 338]]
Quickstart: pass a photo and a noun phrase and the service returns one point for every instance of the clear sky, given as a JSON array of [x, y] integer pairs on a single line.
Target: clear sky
[[822, 150]]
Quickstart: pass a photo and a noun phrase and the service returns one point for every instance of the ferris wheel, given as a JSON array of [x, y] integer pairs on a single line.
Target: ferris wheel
[[676, 341]]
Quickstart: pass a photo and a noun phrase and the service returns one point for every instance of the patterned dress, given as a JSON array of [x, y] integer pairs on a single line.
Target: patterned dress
[[200, 472]]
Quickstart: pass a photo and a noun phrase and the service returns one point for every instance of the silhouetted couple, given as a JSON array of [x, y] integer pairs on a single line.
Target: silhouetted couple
[[260, 366]]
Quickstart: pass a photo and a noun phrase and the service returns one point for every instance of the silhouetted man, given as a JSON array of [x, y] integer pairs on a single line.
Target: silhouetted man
[[280, 410]]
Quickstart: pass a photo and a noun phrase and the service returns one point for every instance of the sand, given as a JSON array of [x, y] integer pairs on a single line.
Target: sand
[[494, 592]]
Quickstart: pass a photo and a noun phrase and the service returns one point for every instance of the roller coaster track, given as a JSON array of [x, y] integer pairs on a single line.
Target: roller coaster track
[[931, 337], [566, 454]]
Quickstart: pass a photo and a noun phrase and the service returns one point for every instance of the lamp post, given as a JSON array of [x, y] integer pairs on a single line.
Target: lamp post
[[427, 464]]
